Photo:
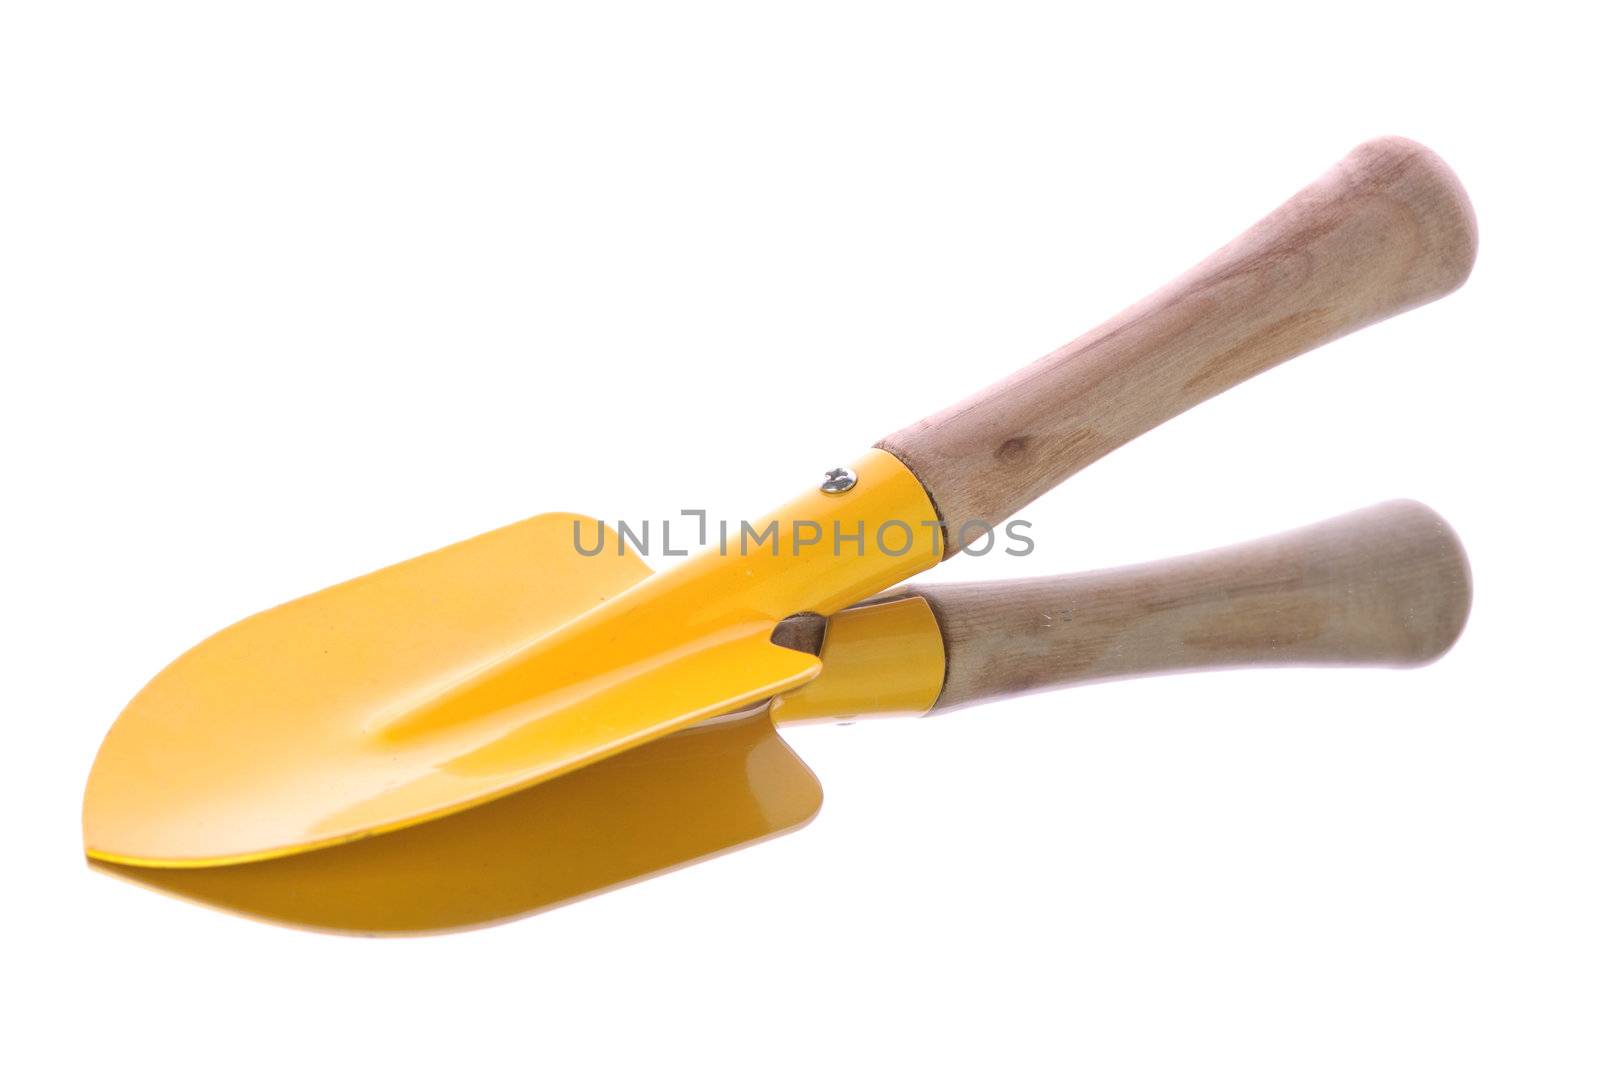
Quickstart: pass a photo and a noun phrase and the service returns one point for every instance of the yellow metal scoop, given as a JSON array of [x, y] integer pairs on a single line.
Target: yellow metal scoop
[[1384, 586], [451, 679], [379, 704], [688, 796]]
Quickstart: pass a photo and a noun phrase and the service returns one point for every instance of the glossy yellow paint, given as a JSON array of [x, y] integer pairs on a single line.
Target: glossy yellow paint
[[483, 668], [686, 797], [691, 795], [878, 659]]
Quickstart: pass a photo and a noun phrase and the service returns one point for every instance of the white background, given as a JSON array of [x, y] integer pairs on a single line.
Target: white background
[[292, 291]]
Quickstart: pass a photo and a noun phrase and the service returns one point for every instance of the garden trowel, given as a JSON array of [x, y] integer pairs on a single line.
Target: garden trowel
[[454, 679], [1386, 586]]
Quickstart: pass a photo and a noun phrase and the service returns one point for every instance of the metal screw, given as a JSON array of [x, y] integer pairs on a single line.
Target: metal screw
[[838, 480]]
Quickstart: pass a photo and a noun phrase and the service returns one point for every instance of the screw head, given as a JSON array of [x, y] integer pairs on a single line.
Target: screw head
[[839, 480]]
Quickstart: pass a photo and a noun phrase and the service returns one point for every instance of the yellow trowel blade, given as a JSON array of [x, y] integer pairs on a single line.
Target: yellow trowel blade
[[688, 796], [462, 675], [254, 742]]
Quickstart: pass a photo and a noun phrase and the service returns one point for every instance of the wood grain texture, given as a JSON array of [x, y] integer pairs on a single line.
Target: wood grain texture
[[1385, 586], [1385, 230], [803, 633]]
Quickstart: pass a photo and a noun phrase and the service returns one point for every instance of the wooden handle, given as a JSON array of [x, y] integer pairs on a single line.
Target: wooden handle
[[1384, 586], [1385, 230]]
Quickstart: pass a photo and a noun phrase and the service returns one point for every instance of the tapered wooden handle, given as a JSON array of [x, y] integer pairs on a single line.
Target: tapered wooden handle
[[1385, 230], [1385, 586]]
